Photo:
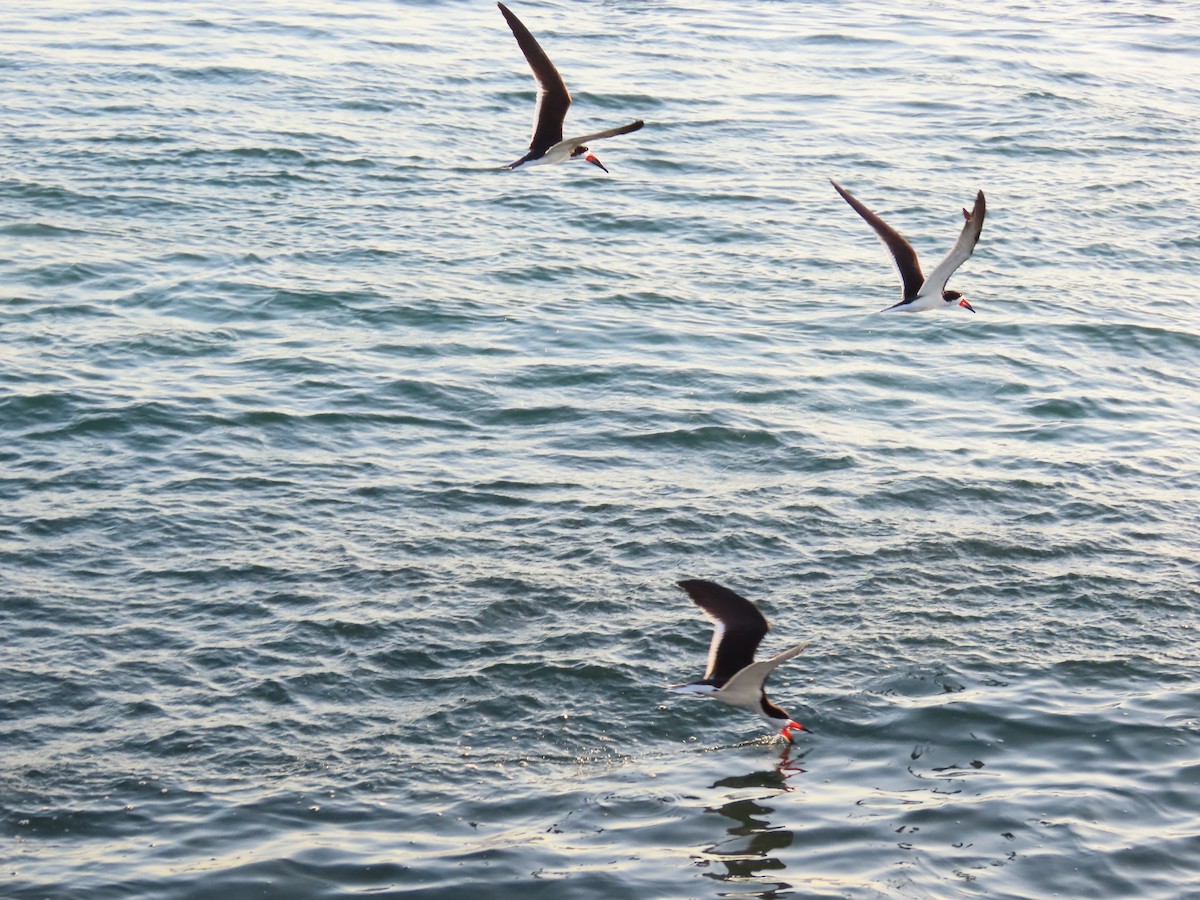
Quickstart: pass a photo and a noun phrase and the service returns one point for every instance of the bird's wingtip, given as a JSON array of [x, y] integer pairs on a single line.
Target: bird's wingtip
[[693, 586]]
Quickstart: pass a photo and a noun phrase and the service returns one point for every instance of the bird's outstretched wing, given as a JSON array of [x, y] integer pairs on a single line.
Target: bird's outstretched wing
[[904, 256], [553, 96], [611, 132], [738, 630], [746, 686], [961, 251]]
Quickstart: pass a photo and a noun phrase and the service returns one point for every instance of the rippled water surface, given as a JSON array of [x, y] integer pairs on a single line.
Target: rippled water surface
[[346, 476]]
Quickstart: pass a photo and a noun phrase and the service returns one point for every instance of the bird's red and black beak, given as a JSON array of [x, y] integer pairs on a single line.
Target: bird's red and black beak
[[591, 157], [790, 727], [965, 305]]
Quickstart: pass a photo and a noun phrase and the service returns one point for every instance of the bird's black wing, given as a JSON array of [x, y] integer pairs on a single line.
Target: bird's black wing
[[553, 96], [902, 252], [739, 628]]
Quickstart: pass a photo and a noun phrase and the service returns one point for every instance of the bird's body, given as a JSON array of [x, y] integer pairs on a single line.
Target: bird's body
[[547, 144], [920, 292], [732, 676]]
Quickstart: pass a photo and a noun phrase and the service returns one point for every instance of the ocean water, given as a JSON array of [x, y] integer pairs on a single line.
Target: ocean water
[[346, 476]]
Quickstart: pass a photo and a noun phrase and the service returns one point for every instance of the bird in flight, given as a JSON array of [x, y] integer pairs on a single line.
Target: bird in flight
[[732, 676], [918, 292], [547, 145]]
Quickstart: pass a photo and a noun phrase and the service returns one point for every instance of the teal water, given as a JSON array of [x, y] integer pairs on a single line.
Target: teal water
[[346, 477]]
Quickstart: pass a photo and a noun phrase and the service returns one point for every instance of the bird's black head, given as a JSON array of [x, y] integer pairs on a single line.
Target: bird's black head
[[581, 152], [776, 715], [956, 297]]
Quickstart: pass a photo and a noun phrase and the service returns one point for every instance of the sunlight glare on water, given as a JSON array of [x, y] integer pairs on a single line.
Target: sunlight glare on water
[[347, 476]]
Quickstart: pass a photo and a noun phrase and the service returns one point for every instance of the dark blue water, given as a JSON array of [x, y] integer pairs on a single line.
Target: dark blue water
[[346, 478]]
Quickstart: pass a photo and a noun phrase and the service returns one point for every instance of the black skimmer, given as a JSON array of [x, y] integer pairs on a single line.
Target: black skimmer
[[547, 145], [732, 675], [920, 292]]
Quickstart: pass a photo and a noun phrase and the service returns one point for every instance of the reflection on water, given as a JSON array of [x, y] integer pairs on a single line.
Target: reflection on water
[[752, 845]]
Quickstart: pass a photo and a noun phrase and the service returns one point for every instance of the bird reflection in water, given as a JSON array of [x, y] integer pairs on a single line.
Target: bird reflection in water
[[753, 843]]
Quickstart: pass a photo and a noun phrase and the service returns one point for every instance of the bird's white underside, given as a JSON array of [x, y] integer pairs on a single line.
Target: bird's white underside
[[745, 688], [537, 112], [935, 281], [714, 646], [930, 294]]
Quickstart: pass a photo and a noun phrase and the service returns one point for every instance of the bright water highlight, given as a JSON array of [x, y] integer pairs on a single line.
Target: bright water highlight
[[346, 477]]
